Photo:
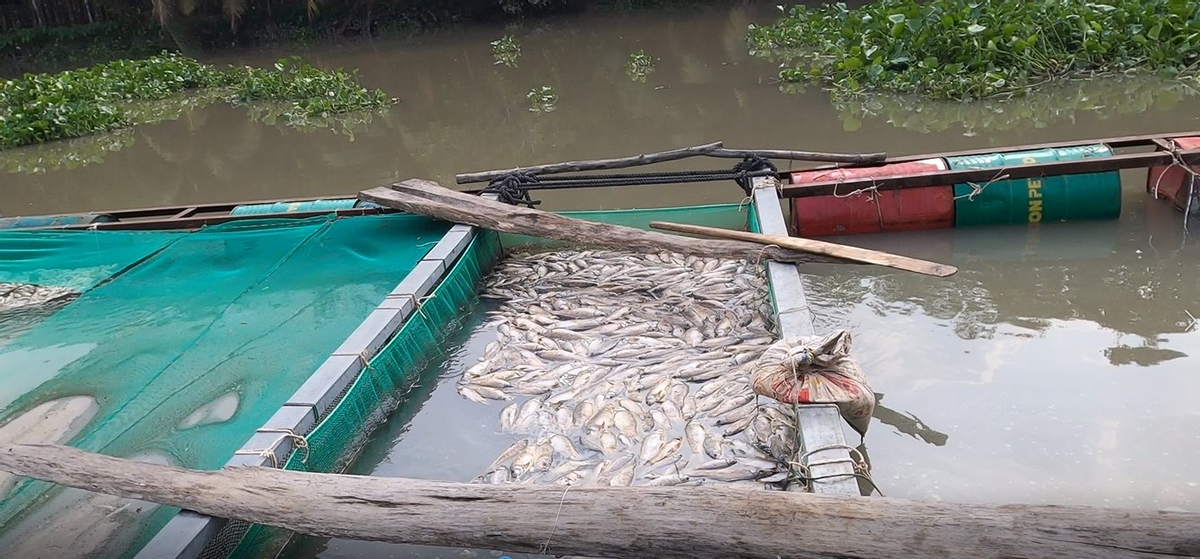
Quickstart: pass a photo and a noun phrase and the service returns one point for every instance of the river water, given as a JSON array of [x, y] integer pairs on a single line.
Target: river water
[[1056, 367]]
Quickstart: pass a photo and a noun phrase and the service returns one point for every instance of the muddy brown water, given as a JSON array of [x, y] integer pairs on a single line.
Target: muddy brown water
[[1058, 366]]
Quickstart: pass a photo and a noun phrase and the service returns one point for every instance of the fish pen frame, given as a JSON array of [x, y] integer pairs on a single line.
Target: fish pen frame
[[438, 283]]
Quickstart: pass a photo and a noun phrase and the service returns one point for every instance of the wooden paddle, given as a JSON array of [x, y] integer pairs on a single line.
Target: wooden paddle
[[817, 247]]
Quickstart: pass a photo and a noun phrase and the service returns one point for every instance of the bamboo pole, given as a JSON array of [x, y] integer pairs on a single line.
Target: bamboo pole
[[835, 250], [629, 522], [715, 149], [592, 164]]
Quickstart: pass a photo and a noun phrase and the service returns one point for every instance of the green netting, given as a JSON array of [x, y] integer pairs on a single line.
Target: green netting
[[74, 259], [376, 392], [378, 389], [188, 352]]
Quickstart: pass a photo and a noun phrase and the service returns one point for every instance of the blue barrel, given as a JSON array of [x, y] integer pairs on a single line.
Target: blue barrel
[[28, 222], [1034, 200], [296, 207]]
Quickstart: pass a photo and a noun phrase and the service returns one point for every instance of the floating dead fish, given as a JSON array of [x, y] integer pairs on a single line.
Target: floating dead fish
[[629, 369]]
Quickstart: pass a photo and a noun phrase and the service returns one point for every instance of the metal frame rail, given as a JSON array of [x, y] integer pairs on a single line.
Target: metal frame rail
[[820, 425], [187, 534]]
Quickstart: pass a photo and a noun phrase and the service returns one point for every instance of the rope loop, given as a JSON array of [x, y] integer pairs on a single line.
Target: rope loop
[[748, 165], [513, 188]]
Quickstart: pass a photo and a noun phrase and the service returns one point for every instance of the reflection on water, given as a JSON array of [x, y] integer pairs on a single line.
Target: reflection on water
[[1057, 366], [1064, 104]]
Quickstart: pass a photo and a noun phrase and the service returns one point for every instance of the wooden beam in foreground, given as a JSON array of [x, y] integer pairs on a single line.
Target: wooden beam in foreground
[[627, 522]]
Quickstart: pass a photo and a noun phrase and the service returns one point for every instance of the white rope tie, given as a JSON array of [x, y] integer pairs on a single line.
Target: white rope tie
[[298, 441]]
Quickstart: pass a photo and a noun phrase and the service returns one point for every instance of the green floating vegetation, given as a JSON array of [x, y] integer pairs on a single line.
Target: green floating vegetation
[[542, 99], [40, 108], [506, 51], [639, 65], [972, 49]]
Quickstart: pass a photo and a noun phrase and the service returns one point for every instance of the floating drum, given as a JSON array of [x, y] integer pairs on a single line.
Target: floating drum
[[907, 209], [296, 207], [1173, 182], [34, 221], [1034, 200]]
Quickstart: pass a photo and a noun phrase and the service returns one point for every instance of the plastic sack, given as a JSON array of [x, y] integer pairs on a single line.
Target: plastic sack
[[816, 370]]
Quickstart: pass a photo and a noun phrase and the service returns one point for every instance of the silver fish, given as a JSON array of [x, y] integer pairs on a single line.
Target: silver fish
[[672, 479], [652, 444], [694, 432]]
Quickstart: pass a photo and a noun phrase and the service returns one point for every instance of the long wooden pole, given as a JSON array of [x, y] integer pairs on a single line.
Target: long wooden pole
[[714, 149], [796, 155], [592, 164], [428, 198], [856, 254], [630, 522]]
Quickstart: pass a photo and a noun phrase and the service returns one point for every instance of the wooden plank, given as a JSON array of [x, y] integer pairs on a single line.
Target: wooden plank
[[847, 252], [982, 176], [706, 522], [428, 198], [820, 426]]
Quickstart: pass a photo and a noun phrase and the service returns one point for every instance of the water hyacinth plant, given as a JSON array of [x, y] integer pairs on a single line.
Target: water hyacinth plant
[[639, 65], [45, 107], [970, 49], [542, 99], [506, 51]]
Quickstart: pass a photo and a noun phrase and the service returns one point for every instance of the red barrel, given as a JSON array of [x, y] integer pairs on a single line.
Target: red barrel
[[906, 209], [1172, 181]]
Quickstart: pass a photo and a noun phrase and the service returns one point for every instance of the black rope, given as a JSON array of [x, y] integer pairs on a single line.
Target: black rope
[[748, 165], [513, 188]]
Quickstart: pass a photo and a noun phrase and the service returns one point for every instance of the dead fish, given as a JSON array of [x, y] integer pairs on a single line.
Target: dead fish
[[563, 445], [583, 412], [652, 445], [660, 419], [688, 410], [672, 479], [499, 476], [733, 473], [625, 422], [694, 432], [665, 451], [470, 394], [508, 417], [716, 464], [608, 442], [713, 446], [623, 477]]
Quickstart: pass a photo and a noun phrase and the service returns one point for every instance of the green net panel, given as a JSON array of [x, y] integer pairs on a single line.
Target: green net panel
[[379, 388], [382, 385], [186, 353]]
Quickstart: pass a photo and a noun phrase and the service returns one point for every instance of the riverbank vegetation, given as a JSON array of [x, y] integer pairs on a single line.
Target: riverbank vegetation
[[44, 107], [966, 49], [52, 35]]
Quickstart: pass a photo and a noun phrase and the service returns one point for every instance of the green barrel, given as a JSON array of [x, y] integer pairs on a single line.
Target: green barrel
[[295, 207], [33, 221], [1034, 200]]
